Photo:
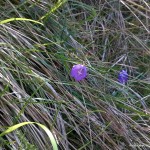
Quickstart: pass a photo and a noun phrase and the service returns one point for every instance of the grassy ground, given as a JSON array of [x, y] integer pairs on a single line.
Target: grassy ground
[[35, 84]]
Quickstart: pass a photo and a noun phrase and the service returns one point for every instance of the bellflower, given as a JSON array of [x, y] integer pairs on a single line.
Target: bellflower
[[123, 76], [78, 72]]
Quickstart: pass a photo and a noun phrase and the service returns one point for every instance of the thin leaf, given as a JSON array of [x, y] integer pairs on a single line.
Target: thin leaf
[[50, 135], [58, 4], [18, 19]]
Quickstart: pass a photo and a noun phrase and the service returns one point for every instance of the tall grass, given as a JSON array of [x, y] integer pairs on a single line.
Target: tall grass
[[37, 53]]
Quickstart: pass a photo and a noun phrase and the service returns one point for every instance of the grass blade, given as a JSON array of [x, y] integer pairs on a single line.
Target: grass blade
[[19, 19], [50, 135]]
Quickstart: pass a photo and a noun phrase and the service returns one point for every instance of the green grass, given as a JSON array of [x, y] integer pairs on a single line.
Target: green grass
[[41, 40], [15, 127]]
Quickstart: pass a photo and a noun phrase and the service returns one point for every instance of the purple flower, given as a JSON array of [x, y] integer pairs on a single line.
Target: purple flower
[[123, 76], [79, 72]]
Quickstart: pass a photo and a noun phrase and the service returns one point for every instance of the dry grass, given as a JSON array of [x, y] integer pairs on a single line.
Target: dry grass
[[97, 113]]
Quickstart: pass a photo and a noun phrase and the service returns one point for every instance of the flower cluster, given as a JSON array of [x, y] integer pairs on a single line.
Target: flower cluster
[[79, 72]]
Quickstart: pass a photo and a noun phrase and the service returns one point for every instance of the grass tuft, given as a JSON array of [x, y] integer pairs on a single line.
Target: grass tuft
[[40, 41]]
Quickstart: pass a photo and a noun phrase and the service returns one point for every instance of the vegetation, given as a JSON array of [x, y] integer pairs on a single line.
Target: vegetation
[[40, 41]]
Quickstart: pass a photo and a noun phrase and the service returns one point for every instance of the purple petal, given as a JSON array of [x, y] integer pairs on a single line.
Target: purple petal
[[123, 77], [79, 72]]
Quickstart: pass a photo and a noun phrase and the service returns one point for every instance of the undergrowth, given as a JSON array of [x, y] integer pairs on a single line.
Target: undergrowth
[[37, 55]]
